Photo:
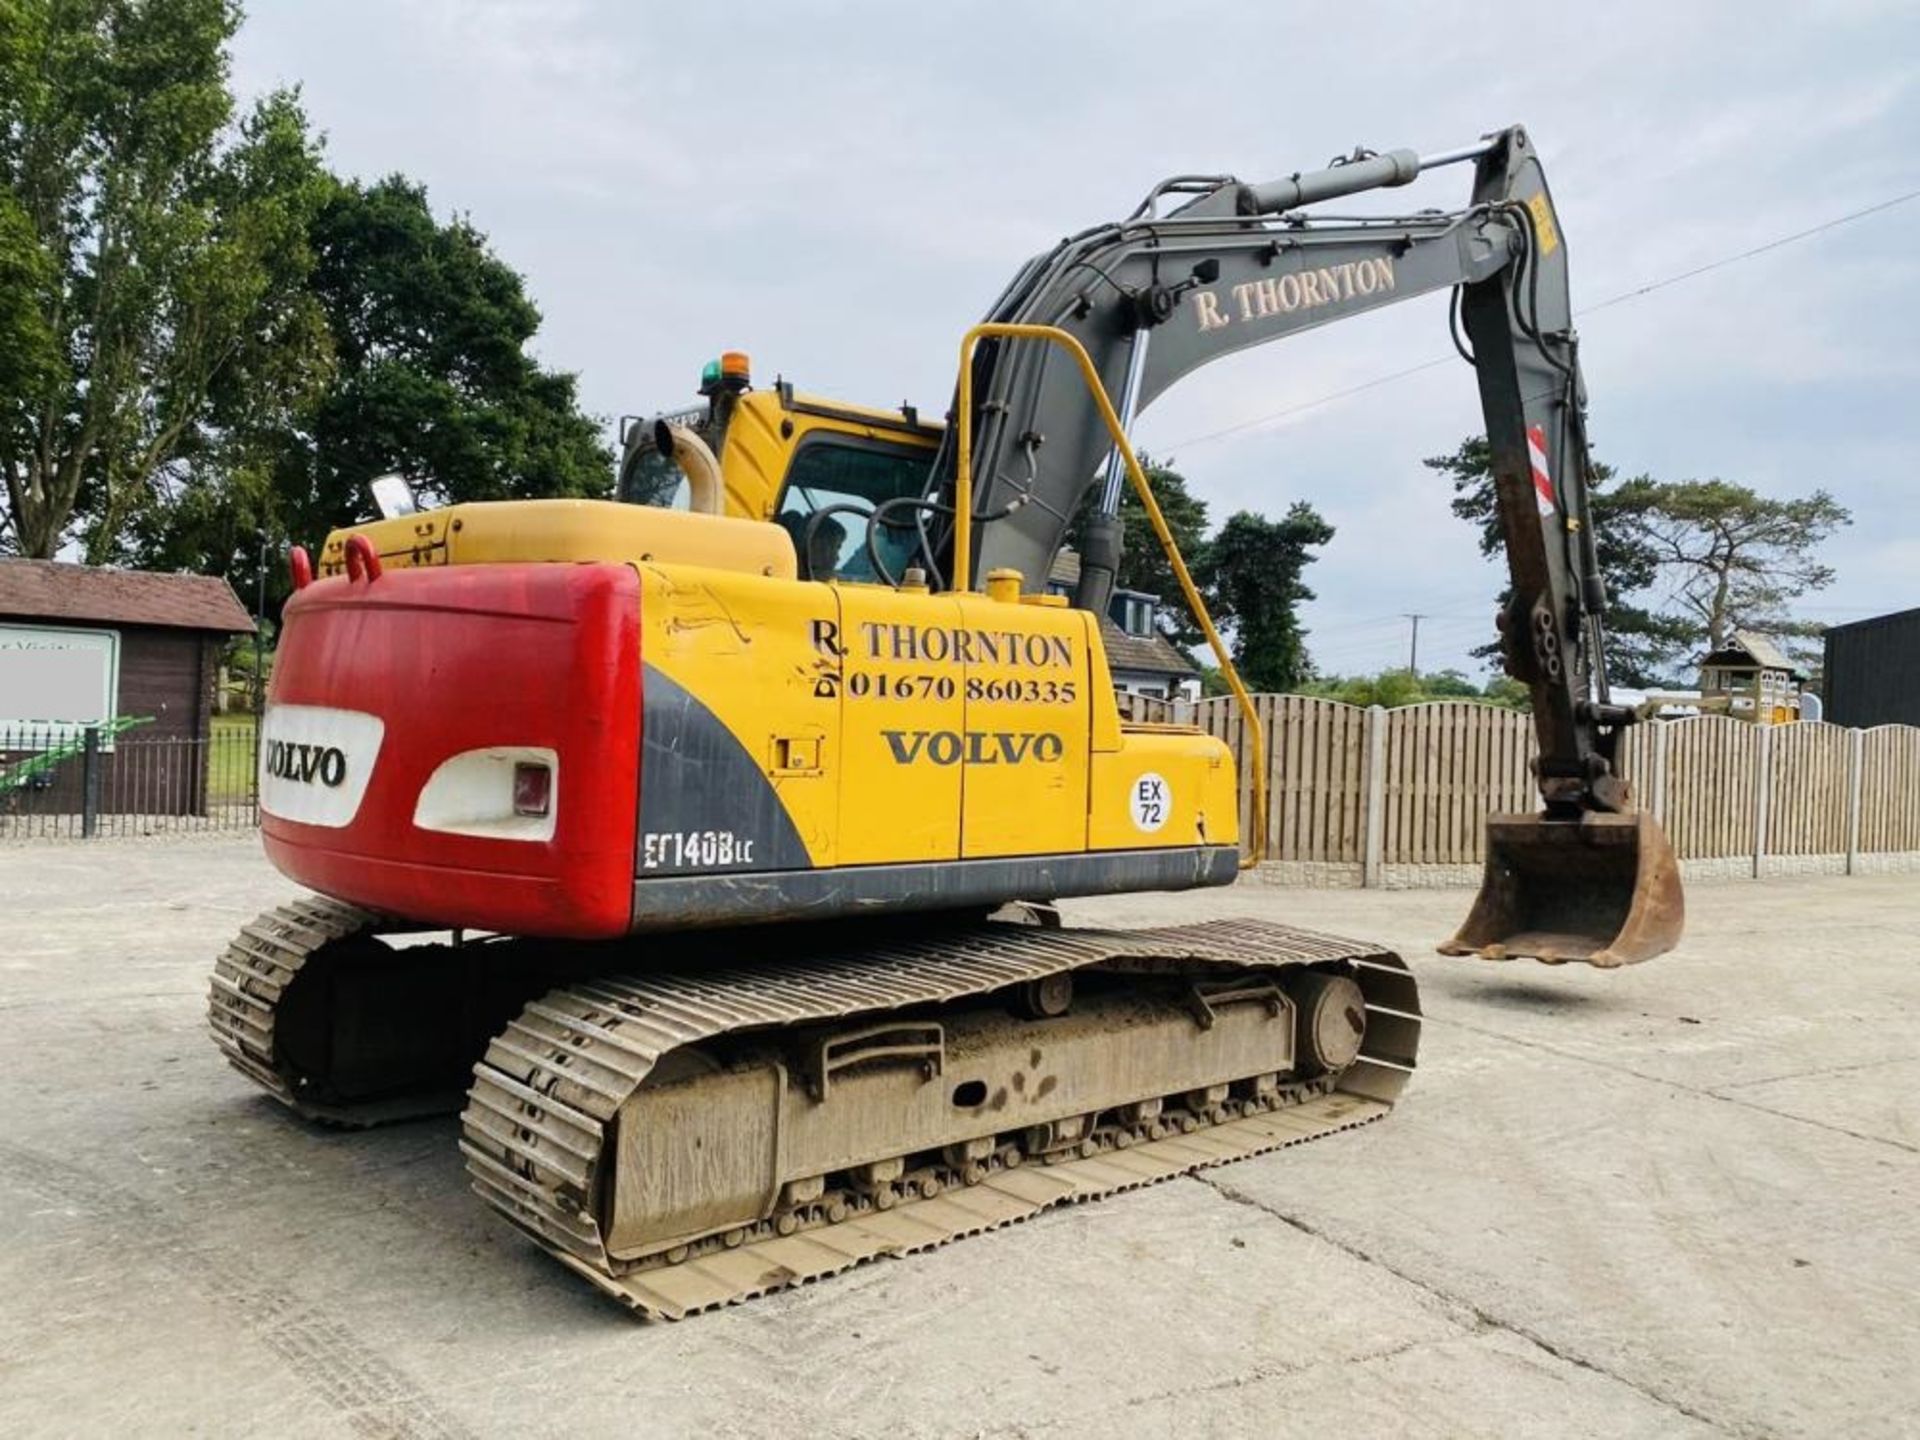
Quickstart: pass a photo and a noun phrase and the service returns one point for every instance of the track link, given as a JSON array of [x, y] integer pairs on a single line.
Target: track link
[[310, 1004], [252, 980], [537, 1131]]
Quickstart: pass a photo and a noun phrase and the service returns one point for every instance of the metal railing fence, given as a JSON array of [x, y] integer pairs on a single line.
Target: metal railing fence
[[59, 781]]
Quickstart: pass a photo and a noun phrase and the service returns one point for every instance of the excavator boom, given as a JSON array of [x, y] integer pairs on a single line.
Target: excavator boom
[[1155, 297]]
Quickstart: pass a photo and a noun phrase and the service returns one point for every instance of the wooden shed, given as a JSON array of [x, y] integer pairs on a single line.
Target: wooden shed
[[131, 654]]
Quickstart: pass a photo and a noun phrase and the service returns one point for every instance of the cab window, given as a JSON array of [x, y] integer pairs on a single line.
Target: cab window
[[829, 472]]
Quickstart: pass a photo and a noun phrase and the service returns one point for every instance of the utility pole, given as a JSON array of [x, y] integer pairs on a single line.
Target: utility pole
[[259, 637], [1413, 650]]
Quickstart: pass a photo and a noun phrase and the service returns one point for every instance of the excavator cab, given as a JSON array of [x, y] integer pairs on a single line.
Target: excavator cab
[[1603, 889], [842, 480]]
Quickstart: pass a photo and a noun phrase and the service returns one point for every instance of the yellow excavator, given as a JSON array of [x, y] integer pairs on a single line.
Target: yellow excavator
[[702, 845]]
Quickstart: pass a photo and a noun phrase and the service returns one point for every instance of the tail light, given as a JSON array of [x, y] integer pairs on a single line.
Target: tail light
[[532, 789]]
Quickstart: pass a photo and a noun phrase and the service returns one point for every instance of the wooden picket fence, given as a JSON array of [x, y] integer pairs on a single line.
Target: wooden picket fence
[[1382, 789]]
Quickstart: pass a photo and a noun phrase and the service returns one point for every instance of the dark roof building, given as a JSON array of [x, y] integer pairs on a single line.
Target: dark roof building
[[52, 590], [1750, 650], [1143, 660], [1872, 671]]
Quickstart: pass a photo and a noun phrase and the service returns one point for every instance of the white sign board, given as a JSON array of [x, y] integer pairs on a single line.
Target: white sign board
[[54, 683], [315, 762]]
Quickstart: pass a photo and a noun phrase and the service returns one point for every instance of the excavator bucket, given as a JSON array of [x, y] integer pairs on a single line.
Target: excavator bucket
[[1604, 889]]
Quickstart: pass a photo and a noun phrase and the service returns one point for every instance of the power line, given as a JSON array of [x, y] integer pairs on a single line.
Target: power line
[[1395, 638], [1392, 649], [1454, 611], [1306, 405], [1727, 260], [1620, 299], [1460, 634]]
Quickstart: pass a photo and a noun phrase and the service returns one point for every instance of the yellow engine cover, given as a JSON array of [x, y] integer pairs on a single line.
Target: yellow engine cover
[[494, 532], [904, 729]]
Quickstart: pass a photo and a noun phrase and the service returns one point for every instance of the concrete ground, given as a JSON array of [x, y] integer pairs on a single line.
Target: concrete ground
[[1678, 1200]]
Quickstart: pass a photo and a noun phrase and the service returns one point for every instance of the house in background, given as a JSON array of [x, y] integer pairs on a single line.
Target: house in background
[[1756, 679], [1143, 661], [83, 647], [1872, 671]]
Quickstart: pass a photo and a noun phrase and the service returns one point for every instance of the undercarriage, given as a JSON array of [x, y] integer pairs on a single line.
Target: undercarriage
[[686, 1133]]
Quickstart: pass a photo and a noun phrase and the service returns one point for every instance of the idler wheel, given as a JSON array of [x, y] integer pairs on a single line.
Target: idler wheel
[[1332, 1020]]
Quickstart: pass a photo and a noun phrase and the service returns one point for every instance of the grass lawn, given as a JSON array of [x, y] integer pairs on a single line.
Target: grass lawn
[[230, 760]]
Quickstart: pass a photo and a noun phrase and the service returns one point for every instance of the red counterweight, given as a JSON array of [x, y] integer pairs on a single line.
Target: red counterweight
[[406, 715]]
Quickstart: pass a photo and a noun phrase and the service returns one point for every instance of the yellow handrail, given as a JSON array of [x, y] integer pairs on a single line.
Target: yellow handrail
[[963, 531]]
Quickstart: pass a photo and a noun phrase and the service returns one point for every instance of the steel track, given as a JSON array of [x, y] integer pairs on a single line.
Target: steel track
[[286, 969], [251, 982], [539, 1122]]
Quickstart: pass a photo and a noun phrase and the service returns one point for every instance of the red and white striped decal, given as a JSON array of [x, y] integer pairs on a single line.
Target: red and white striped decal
[[1542, 479]]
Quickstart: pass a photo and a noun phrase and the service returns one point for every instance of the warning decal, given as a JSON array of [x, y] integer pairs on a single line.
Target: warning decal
[[1544, 229], [1542, 477]]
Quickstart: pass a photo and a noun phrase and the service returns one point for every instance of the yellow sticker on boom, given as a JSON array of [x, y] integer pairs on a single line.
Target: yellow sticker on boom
[[1543, 227]]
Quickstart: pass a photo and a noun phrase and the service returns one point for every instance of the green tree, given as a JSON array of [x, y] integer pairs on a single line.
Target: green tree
[[1732, 558], [1645, 645], [1249, 575], [1390, 689], [27, 353], [1253, 570], [152, 255], [1393, 688], [427, 330], [1449, 685], [1507, 691]]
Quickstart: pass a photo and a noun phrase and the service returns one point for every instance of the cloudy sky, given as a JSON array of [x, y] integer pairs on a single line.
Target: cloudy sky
[[840, 189]]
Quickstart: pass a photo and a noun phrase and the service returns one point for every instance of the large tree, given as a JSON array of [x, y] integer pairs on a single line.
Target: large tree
[[152, 253], [427, 331], [1253, 570], [1249, 574], [1731, 558], [1645, 645], [27, 351], [430, 332]]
